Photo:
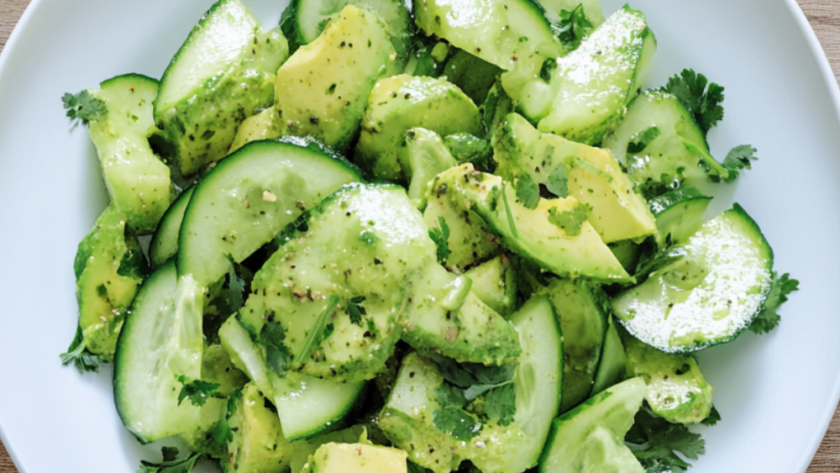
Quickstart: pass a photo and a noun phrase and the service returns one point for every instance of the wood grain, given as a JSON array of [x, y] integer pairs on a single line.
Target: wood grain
[[824, 16]]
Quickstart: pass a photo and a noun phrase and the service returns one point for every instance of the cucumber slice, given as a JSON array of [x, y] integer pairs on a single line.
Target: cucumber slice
[[158, 343], [322, 90], [613, 359], [660, 144], [304, 20], [679, 213], [137, 180], [591, 437], [530, 232], [676, 388], [708, 297], [592, 86], [592, 8], [223, 73], [262, 188], [583, 309], [361, 248], [164, 243], [305, 405]]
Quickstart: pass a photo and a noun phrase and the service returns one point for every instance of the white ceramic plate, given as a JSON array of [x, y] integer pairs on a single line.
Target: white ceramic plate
[[776, 393]]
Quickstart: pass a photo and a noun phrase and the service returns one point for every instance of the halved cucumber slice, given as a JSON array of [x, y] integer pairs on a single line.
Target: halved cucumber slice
[[165, 241], [304, 20], [591, 437], [679, 213], [613, 359], [709, 296], [249, 197], [659, 143], [305, 405], [159, 342]]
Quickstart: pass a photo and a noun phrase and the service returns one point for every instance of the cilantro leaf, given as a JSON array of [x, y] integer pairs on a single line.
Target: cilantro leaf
[[457, 423], [78, 354], [415, 468], [570, 221], [197, 391], [316, 335], [441, 238], [738, 159], [558, 181], [768, 318], [474, 379], [170, 464], [547, 69], [527, 191], [656, 442], [702, 102], [643, 139], [713, 419], [221, 433], [450, 396], [369, 238], [355, 310], [238, 285], [500, 404], [273, 339], [574, 27], [84, 107]]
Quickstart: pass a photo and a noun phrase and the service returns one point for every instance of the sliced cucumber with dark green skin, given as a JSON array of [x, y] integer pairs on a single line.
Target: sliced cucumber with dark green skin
[[676, 388], [613, 359], [583, 310], [262, 188], [304, 20], [159, 343], [212, 85], [707, 297], [138, 181], [591, 436], [165, 241], [591, 87], [361, 247], [659, 143], [679, 213], [305, 405]]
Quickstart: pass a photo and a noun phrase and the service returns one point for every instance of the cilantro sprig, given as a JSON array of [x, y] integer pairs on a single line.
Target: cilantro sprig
[[170, 463], [573, 28], [527, 191], [738, 159], [79, 356], [440, 236], [277, 354], [702, 98], [769, 317], [355, 310], [570, 221], [558, 181], [84, 107], [656, 443], [221, 432], [197, 391]]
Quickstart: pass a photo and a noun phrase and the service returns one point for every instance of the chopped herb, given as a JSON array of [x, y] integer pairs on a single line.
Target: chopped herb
[[769, 318], [548, 68], [474, 379], [221, 431], [558, 181], [457, 423], [656, 442], [355, 310], [84, 107], [313, 339], [369, 238], [738, 159], [574, 27], [643, 140], [277, 354], [713, 419], [500, 404], [527, 191], [450, 396], [197, 391], [441, 238], [236, 284], [170, 464], [570, 221], [78, 354], [702, 102]]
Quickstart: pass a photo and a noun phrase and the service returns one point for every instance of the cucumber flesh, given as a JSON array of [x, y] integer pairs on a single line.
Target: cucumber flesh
[[679, 214], [592, 8], [708, 297], [591, 436], [262, 188], [160, 341], [613, 360], [165, 241]]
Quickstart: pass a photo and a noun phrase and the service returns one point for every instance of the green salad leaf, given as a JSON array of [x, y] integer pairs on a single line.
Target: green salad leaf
[[702, 99], [769, 317], [440, 236], [84, 107], [658, 444]]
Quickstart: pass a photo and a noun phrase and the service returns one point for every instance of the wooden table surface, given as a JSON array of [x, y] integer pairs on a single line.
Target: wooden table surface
[[824, 16]]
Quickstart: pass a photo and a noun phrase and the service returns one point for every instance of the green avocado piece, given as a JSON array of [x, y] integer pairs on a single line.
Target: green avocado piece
[[266, 125], [590, 175], [422, 156], [321, 91], [357, 458], [402, 102], [258, 444], [494, 282]]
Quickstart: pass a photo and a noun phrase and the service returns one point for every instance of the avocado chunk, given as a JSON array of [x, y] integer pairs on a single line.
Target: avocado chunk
[[402, 102], [137, 180], [466, 329], [109, 267], [258, 444], [591, 436], [338, 285], [211, 86], [357, 458], [423, 155], [555, 235], [592, 86], [303, 449], [676, 389], [582, 308], [266, 125], [494, 282], [590, 175], [321, 90]]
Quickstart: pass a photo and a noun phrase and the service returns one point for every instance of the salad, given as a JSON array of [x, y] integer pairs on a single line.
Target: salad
[[469, 236]]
